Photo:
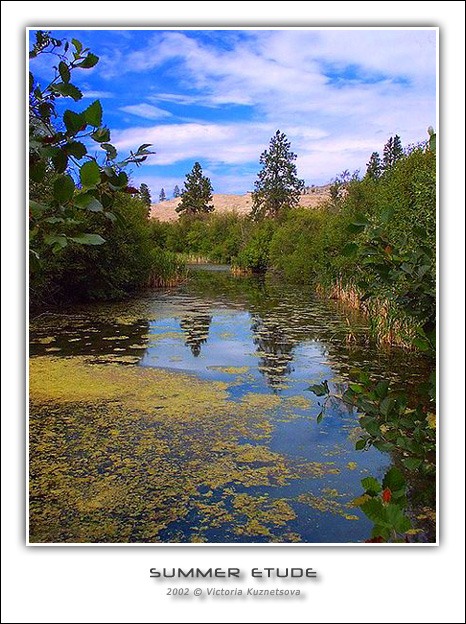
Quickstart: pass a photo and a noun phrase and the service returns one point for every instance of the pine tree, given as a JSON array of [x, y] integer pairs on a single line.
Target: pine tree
[[392, 152], [374, 167], [144, 194], [162, 196], [197, 193], [277, 185], [176, 191]]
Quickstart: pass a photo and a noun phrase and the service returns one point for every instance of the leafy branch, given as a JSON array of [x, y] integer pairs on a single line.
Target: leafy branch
[[66, 181]]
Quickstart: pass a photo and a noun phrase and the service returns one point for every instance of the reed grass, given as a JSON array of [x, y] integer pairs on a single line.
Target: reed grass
[[389, 326], [167, 269]]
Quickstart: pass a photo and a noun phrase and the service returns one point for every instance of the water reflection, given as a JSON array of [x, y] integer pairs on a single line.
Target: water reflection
[[274, 348], [196, 328]]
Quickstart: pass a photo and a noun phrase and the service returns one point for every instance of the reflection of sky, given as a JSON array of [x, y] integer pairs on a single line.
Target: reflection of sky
[[231, 342]]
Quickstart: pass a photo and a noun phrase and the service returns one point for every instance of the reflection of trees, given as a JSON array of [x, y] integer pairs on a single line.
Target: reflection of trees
[[196, 328], [275, 349]]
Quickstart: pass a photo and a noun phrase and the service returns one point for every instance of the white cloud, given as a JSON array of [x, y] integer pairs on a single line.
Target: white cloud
[[337, 94], [288, 64], [147, 111], [216, 143], [98, 95]]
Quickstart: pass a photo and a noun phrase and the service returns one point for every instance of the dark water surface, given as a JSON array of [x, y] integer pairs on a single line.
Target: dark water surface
[[267, 342]]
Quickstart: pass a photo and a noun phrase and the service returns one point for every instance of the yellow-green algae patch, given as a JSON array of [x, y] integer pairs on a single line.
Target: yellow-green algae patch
[[77, 379], [118, 453], [326, 504], [230, 370], [299, 402]]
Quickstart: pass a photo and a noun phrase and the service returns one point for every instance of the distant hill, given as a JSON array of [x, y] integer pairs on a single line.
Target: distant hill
[[242, 204]]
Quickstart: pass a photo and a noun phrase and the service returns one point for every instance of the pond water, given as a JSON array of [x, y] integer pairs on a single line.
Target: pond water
[[185, 415]]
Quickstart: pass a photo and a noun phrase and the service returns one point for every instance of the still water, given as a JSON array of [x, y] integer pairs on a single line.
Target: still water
[[185, 415]]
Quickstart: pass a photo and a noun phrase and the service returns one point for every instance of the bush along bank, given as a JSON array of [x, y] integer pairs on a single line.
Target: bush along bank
[[372, 246]]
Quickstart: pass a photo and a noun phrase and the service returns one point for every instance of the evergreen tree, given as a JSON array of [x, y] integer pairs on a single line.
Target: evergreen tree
[[197, 193], [277, 186], [374, 166], [176, 191], [144, 194], [162, 196], [392, 152]]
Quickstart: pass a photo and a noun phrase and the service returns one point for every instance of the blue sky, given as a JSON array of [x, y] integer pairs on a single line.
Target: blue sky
[[217, 96]]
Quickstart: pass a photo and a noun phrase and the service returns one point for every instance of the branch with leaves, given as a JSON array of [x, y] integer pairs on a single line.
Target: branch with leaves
[[65, 180]]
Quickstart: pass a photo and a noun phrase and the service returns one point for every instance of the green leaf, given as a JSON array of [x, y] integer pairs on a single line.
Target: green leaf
[[386, 406], [56, 241], [110, 216], [89, 202], [394, 479], [60, 161], [119, 181], [371, 485], [77, 44], [37, 209], [89, 61], [89, 174], [381, 531], [101, 135], [356, 388], [67, 90], [37, 171], [319, 417], [370, 425], [63, 189], [94, 205], [363, 377], [422, 344], [64, 71], [360, 445], [76, 149], [83, 199], [319, 389], [93, 114], [396, 518], [357, 226], [381, 389], [385, 447], [110, 149], [45, 110], [31, 82], [375, 511], [88, 239], [412, 463], [73, 121], [349, 249]]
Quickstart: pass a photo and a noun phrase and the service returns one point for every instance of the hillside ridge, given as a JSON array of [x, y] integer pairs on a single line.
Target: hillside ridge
[[242, 204]]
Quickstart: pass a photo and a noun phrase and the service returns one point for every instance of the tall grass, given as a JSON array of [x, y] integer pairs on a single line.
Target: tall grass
[[167, 269]]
